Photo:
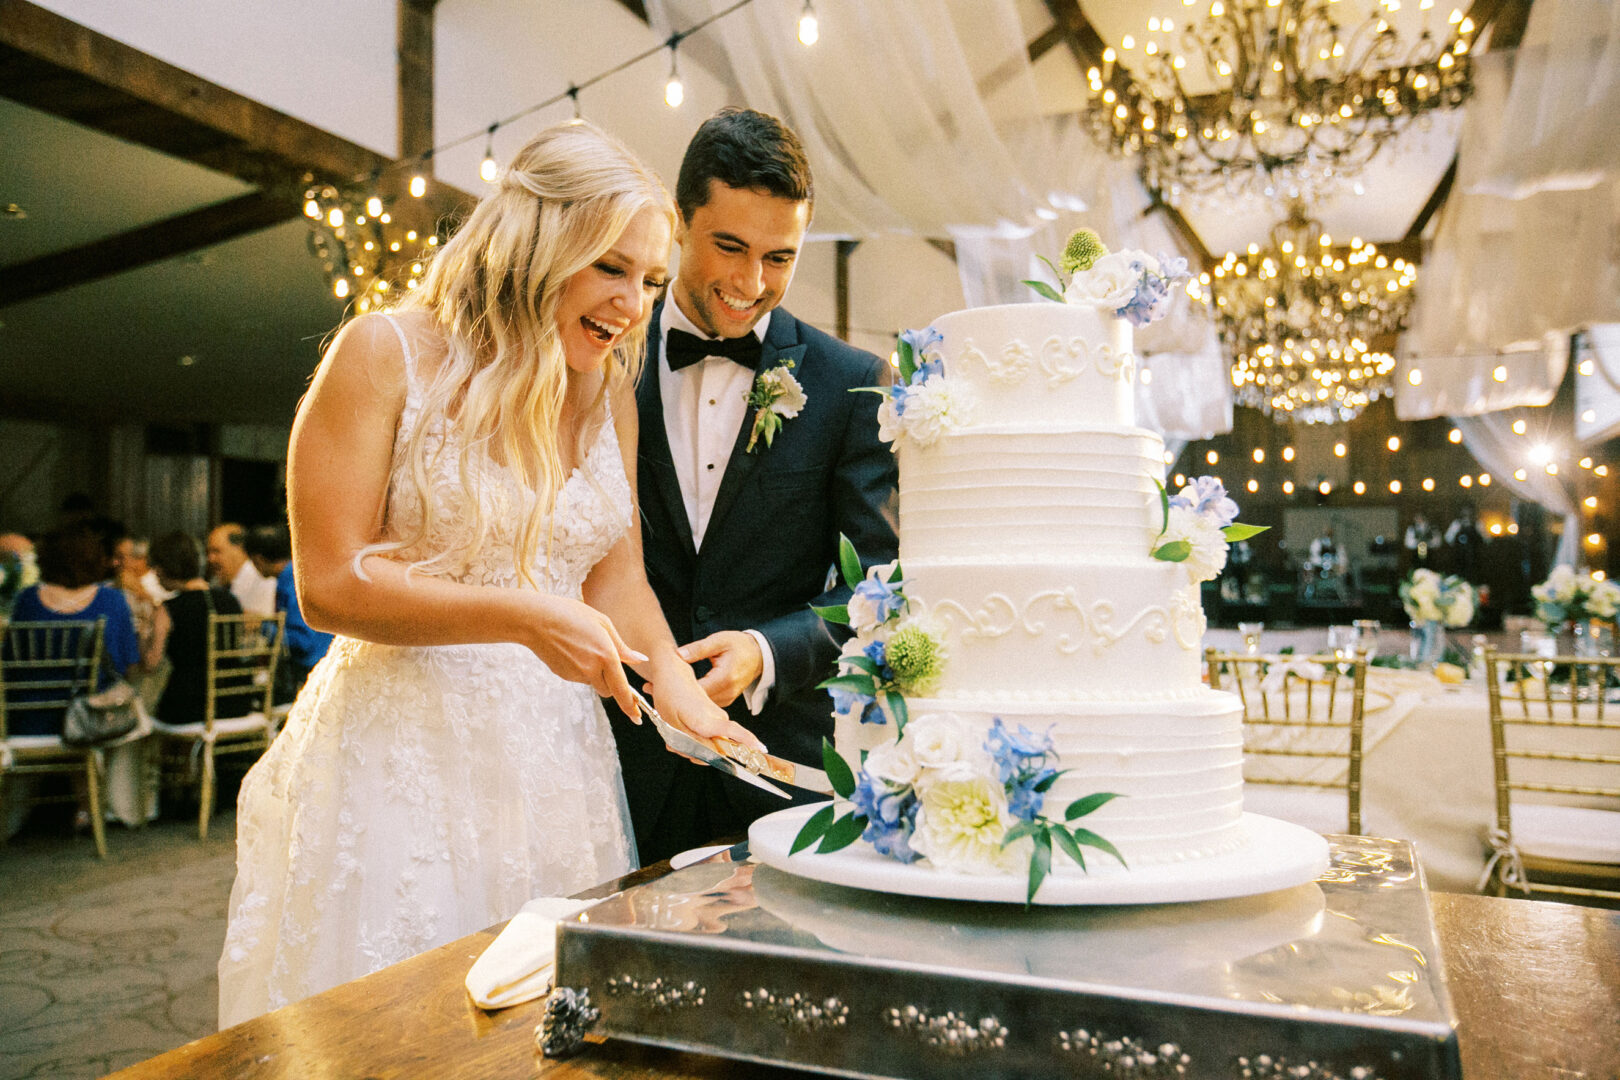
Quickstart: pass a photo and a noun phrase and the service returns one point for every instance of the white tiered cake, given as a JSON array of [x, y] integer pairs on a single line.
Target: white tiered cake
[[1025, 538]]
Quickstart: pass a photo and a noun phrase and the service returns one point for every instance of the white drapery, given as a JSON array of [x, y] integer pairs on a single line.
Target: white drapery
[[1597, 384], [1491, 440], [922, 117]]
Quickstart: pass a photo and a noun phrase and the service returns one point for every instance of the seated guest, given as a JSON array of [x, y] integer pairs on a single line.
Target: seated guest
[[180, 633], [72, 587], [230, 567], [130, 569], [271, 551]]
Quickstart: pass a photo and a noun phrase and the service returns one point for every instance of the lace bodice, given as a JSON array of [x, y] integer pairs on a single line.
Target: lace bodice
[[591, 513]]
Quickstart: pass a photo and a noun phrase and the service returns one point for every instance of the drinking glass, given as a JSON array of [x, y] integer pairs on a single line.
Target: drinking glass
[[1251, 632], [1342, 642], [1367, 637]]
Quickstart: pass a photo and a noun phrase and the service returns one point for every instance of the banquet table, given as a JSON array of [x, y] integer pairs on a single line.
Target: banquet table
[[1535, 987]]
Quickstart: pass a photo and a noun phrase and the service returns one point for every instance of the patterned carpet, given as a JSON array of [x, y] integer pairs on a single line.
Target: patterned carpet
[[104, 964]]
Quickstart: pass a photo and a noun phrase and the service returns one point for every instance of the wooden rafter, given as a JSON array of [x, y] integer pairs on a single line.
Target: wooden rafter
[[415, 61]]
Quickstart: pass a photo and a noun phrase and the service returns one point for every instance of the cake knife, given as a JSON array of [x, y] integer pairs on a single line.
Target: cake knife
[[683, 743]]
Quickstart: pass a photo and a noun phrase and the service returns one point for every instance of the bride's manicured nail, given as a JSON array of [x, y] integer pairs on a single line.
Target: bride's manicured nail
[[635, 657], [683, 653]]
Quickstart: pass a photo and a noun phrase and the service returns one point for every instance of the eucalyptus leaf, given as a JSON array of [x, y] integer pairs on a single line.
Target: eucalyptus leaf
[[1045, 290], [1091, 839], [908, 362], [1083, 806], [1164, 505], [896, 702], [813, 830], [833, 613], [862, 663], [1174, 551], [837, 769], [1070, 845], [1239, 531], [844, 832], [1019, 831], [1046, 785], [849, 563]]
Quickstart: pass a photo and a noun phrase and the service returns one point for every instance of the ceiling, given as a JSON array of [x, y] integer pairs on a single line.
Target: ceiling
[[231, 331]]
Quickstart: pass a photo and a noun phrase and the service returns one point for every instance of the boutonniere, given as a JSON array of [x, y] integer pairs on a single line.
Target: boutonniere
[[776, 396]]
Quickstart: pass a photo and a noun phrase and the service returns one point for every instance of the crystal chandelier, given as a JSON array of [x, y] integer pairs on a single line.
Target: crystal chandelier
[[368, 253], [1263, 96], [1299, 319]]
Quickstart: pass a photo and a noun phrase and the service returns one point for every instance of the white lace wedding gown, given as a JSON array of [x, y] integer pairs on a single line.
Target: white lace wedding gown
[[419, 794]]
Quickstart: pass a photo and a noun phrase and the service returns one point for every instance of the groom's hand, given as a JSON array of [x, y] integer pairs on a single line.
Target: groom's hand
[[736, 661]]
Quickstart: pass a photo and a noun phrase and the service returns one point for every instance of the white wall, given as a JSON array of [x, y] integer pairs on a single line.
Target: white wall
[[329, 64]]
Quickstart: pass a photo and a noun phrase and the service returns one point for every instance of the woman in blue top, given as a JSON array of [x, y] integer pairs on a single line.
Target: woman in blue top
[[73, 571]]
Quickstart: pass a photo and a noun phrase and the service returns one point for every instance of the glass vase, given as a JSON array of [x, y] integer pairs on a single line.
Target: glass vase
[[1428, 643], [1593, 638]]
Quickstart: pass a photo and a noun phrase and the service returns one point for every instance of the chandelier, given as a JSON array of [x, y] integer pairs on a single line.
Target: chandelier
[[370, 247], [1269, 95], [1299, 320]]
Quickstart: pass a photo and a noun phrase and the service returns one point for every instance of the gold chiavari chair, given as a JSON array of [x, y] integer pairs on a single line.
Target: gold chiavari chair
[[1555, 741], [43, 666], [1302, 730], [243, 651]]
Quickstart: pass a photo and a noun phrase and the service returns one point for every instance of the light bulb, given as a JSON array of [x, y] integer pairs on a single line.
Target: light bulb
[[488, 171], [374, 206], [674, 92], [334, 217], [418, 186], [340, 288], [809, 29]]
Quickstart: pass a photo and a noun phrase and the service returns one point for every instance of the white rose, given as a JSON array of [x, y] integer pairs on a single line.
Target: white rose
[[894, 764], [1605, 600], [936, 740], [888, 421], [1461, 612], [792, 398], [1562, 584], [863, 615], [1110, 283], [961, 823]]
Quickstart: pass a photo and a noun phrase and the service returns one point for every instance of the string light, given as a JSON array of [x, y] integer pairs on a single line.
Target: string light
[[1288, 453], [1253, 486], [1601, 470], [1394, 443], [1428, 483], [674, 92], [573, 98], [1325, 488], [1259, 456], [1288, 487], [1359, 488], [1212, 457], [488, 170], [1591, 502], [1484, 479], [1181, 479], [418, 186], [1394, 487], [1339, 449], [1455, 436], [809, 28]]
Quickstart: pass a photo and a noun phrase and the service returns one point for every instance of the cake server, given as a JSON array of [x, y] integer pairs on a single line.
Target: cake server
[[779, 769], [684, 743]]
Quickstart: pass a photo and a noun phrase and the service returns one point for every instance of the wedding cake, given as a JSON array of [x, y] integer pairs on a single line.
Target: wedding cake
[[1039, 624]]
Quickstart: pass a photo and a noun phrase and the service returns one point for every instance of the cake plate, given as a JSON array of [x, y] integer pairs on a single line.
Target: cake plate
[[1274, 855]]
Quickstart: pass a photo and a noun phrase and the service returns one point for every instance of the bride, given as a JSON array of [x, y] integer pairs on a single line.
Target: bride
[[461, 480]]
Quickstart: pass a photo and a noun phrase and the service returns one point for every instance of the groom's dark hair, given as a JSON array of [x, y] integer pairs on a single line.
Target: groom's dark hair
[[743, 148]]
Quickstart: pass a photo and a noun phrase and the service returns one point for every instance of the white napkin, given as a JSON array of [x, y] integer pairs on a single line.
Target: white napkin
[[517, 966]]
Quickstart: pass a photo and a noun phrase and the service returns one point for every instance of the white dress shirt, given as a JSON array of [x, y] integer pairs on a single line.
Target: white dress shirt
[[255, 592], [705, 405]]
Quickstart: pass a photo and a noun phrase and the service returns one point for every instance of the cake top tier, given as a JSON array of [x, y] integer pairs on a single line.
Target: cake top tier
[[1041, 365]]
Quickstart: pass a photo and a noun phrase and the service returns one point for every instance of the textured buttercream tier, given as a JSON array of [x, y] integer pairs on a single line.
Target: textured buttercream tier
[[1059, 630], [1011, 492], [1041, 365], [1178, 766]]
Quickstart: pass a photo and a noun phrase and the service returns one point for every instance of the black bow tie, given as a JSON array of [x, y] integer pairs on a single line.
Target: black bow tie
[[683, 349]]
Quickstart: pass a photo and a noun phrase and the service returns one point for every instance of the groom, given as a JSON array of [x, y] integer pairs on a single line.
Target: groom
[[739, 533]]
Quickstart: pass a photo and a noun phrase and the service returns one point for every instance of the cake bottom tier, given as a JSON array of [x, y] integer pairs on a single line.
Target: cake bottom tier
[[1178, 765]]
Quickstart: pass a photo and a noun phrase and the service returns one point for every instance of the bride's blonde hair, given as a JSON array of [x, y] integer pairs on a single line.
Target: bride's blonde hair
[[493, 290]]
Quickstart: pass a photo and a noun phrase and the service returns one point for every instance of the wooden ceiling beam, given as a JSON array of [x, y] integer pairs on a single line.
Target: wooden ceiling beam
[[415, 75], [638, 8], [178, 235]]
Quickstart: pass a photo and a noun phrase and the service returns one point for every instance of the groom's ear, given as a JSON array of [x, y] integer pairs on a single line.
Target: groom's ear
[[682, 229]]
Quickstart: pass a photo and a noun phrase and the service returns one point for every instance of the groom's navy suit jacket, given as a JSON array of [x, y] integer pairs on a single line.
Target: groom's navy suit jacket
[[766, 556]]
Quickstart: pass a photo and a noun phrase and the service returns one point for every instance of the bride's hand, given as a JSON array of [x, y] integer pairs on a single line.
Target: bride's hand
[[581, 644], [682, 702]]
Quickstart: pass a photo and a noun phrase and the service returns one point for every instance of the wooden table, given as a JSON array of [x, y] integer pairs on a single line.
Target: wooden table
[[1536, 987]]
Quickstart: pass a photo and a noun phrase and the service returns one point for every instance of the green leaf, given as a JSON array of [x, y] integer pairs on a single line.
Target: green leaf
[[869, 389], [849, 563], [861, 684], [908, 362], [813, 829], [894, 577], [1045, 785], [1091, 839], [896, 701], [1164, 505], [844, 832], [864, 663], [1239, 531], [1019, 831], [834, 613], [1040, 863], [837, 769], [1045, 290], [1067, 842], [1081, 807], [1053, 266], [1174, 551]]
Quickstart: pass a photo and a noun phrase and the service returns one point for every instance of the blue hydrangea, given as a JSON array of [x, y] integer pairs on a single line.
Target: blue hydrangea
[[921, 340], [890, 816], [886, 599], [1022, 764], [1024, 799], [1206, 496], [854, 703], [877, 652], [1145, 304]]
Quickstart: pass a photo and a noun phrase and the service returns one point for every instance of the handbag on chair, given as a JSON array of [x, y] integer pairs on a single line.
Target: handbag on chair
[[93, 719]]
